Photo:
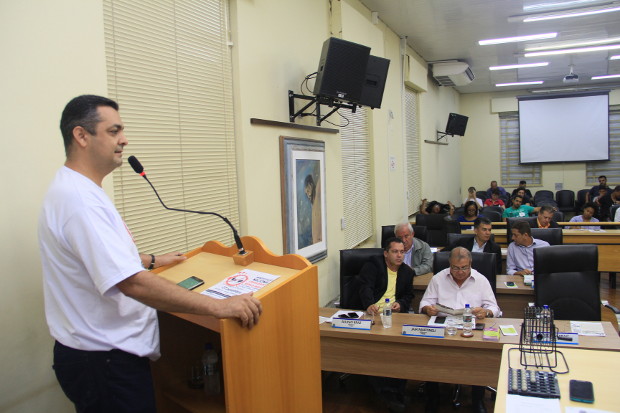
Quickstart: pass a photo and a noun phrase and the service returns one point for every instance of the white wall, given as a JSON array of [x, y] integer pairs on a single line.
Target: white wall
[[51, 52]]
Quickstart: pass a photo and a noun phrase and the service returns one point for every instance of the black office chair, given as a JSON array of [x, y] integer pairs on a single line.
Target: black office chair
[[581, 200], [510, 222], [351, 262], [558, 216], [566, 200], [482, 195], [494, 216], [458, 212], [483, 262], [552, 235], [495, 208], [543, 194], [435, 228], [387, 231], [566, 278]]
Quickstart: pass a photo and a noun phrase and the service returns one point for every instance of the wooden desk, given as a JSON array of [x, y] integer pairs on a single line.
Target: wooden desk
[[599, 367], [454, 359], [511, 301], [608, 242]]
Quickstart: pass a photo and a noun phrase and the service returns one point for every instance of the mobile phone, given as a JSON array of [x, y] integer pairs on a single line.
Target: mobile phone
[[191, 282], [440, 320], [581, 391], [510, 284], [348, 315]]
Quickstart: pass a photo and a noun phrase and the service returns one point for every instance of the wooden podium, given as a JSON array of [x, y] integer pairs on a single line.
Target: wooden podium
[[274, 367]]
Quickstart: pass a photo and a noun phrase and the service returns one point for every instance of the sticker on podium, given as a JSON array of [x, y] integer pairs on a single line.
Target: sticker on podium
[[423, 331], [355, 324]]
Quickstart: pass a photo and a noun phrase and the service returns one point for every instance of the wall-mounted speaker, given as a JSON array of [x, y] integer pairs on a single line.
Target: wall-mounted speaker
[[374, 81], [342, 70]]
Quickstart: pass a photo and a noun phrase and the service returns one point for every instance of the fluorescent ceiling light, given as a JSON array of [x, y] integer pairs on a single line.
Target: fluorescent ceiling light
[[577, 50], [615, 57], [517, 39], [537, 82], [519, 66], [605, 77], [554, 16], [562, 4], [575, 44]]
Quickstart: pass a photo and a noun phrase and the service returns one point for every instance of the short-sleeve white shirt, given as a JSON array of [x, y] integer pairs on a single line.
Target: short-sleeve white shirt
[[86, 249]]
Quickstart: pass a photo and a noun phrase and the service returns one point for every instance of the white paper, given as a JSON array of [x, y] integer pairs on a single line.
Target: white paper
[[324, 320], [508, 330], [570, 409], [587, 328], [458, 320], [245, 281], [522, 404]]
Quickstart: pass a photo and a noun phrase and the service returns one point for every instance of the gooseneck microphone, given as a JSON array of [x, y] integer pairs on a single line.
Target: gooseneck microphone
[[139, 169]]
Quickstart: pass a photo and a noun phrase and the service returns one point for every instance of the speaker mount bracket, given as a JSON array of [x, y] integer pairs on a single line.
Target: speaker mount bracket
[[317, 101], [438, 138]]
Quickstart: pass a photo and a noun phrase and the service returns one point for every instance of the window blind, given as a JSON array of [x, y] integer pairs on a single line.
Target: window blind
[[169, 68], [357, 192], [511, 171], [414, 175], [610, 168]]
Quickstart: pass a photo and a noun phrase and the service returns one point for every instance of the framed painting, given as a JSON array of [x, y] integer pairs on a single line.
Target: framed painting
[[302, 174]]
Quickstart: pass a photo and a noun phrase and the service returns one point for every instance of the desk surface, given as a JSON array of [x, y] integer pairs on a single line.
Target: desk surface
[[386, 352], [599, 367]]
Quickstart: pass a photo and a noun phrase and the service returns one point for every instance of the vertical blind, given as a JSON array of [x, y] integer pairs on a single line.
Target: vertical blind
[[414, 175], [610, 168], [511, 171], [169, 68], [357, 191]]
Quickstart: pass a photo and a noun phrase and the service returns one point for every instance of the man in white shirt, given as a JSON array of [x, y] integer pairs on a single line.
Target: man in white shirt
[[520, 258], [454, 287], [100, 301], [418, 253]]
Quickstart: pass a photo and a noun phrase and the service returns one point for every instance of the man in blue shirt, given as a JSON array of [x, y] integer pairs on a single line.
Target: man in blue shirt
[[520, 259], [502, 191]]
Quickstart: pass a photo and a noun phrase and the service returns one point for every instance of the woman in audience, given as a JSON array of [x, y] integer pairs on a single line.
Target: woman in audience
[[470, 214], [435, 207], [588, 216]]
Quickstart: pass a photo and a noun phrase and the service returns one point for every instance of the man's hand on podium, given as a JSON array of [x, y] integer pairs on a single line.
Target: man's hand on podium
[[244, 307]]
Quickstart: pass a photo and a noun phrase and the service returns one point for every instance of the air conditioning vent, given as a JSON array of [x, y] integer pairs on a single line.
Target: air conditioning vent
[[452, 73]]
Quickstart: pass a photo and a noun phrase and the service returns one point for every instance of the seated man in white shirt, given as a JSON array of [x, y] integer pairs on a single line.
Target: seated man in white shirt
[[520, 258], [454, 287]]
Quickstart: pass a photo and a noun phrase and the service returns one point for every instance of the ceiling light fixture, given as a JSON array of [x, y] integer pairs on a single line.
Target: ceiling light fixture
[[518, 39], [553, 16], [519, 66], [537, 82], [615, 57], [575, 44], [576, 50], [562, 4], [605, 77]]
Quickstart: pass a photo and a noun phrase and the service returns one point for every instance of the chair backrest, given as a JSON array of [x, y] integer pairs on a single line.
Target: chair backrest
[[483, 262], [387, 231], [494, 216], [453, 237], [581, 199], [543, 193], [566, 278], [435, 228], [351, 262], [552, 235], [495, 208], [482, 195], [565, 199], [510, 222]]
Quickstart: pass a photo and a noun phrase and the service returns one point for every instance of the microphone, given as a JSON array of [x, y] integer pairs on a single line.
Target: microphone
[[139, 169]]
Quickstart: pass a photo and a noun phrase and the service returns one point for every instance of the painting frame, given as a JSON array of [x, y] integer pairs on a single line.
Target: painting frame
[[304, 212]]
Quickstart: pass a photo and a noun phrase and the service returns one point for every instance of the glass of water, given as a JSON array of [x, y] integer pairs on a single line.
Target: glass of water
[[451, 326]]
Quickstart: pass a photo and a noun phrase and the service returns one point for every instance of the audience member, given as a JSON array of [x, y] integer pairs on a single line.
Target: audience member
[[481, 242], [435, 207], [418, 253], [522, 185], [545, 218], [520, 260], [518, 209], [594, 191], [502, 191], [587, 216], [605, 203], [470, 214], [381, 278], [495, 200], [617, 216], [527, 200], [454, 287], [471, 196], [601, 193]]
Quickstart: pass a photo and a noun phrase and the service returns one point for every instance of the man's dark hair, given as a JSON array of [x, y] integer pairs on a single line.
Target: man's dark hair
[[517, 196], [82, 111], [589, 205], [523, 227], [602, 176], [545, 208], [482, 220], [522, 183], [389, 241]]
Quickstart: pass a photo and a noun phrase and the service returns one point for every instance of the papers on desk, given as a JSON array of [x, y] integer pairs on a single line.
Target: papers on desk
[[245, 281], [440, 321], [448, 310], [587, 328], [528, 278], [520, 404], [570, 409]]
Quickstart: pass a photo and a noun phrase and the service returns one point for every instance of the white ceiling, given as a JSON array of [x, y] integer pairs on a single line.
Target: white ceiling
[[450, 29]]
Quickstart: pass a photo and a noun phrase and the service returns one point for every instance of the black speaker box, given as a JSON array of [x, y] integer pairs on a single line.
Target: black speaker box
[[342, 69], [374, 81]]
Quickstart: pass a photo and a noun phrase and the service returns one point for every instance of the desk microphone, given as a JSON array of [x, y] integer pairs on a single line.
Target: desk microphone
[[139, 169]]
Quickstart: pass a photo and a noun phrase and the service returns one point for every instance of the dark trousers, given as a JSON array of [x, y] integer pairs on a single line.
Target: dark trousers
[[104, 381]]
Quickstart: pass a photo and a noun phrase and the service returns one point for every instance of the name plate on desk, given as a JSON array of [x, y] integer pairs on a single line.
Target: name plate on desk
[[422, 331], [355, 324]]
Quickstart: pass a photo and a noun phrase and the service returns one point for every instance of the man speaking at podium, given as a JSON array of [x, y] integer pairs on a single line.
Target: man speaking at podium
[[100, 301]]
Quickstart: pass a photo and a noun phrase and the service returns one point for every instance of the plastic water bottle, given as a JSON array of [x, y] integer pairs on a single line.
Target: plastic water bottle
[[211, 371], [387, 314], [545, 315], [468, 324]]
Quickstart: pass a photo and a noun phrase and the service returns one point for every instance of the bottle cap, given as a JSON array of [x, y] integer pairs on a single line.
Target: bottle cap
[[387, 300], [466, 305]]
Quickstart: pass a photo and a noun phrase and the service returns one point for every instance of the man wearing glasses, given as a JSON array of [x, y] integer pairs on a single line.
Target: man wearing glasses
[[454, 287]]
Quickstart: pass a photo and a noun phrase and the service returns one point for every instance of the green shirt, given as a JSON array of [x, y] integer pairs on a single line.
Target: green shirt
[[522, 211]]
